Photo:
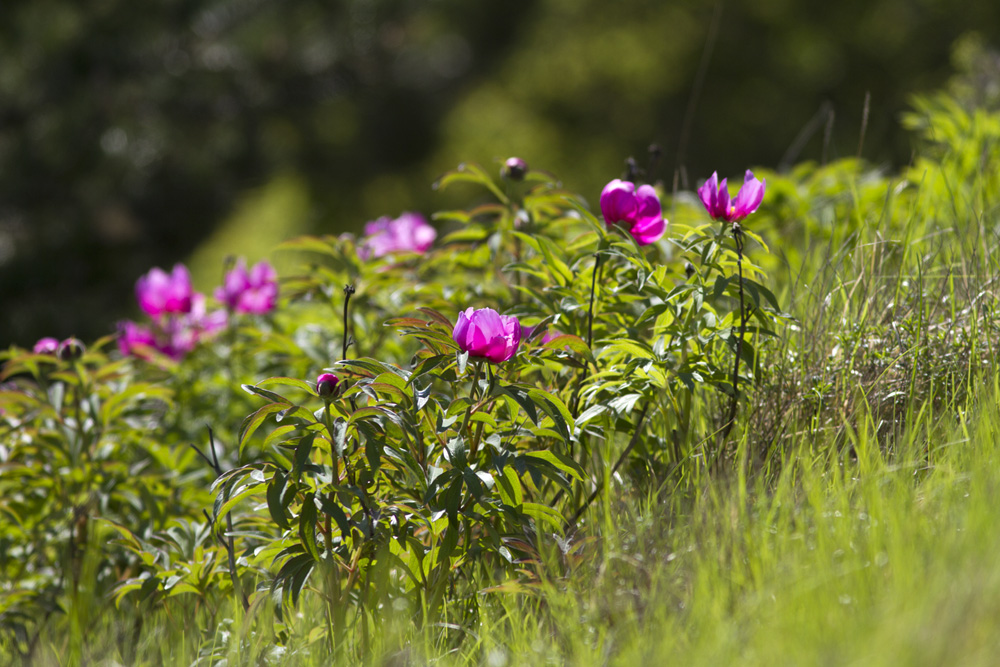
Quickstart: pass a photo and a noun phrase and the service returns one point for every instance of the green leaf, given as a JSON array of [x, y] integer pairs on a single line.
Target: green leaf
[[590, 413], [554, 408], [624, 404], [543, 513], [292, 576], [276, 504], [253, 422], [456, 451], [574, 343], [269, 395], [631, 349], [309, 244], [334, 511], [560, 462], [302, 452], [307, 525], [509, 486], [225, 501], [521, 397], [286, 382], [555, 263]]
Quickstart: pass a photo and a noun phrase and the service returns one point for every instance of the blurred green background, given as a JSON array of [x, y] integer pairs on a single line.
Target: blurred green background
[[135, 134]]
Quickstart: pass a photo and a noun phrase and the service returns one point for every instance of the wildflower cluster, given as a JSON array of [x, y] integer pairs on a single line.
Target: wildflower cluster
[[460, 398], [179, 316]]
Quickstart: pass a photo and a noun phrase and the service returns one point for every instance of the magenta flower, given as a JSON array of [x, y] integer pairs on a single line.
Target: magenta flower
[[134, 338], [187, 330], [173, 335], [326, 384], [488, 334], [407, 233], [47, 345], [254, 291], [159, 292], [638, 210], [715, 197]]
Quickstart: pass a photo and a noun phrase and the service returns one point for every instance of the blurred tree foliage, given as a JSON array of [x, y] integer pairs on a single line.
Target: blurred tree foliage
[[129, 130]]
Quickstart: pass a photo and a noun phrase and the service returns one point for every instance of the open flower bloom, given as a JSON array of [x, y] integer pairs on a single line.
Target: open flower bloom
[[47, 345], [159, 292], [715, 197], [638, 210], [254, 291], [134, 338], [407, 233], [173, 335], [488, 334]]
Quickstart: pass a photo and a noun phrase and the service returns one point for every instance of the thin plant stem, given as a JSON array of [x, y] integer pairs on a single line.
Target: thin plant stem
[[574, 402], [472, 399], [348, 293], [731, 418], [593, 288], [571, 524], [228, 543]]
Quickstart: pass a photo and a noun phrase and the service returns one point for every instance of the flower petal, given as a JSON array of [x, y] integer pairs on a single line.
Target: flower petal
[[618, 202], [709, 193], [749, 197], [649, 231]]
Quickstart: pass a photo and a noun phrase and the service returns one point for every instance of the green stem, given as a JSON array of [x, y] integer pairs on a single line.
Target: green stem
[[472, 399], [731, 418], [571, 524], [593, 289]]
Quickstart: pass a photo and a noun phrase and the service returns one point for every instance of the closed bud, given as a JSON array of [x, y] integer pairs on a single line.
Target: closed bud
[[326, 385], [514, 169], [70, 349]]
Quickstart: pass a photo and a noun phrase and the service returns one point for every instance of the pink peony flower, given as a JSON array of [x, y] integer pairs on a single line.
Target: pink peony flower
[[485, 333], [187, 330], [407, 233], [254, 291], [174, 335], [159, 292], [133, 338], [638, 210], [47, 345], [715, 197]]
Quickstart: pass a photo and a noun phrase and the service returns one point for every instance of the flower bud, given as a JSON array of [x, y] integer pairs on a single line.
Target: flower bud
[[70, 349], [514, 169], [326, 385]]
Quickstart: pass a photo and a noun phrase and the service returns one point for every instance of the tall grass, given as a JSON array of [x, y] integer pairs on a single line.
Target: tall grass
[[856, 542]]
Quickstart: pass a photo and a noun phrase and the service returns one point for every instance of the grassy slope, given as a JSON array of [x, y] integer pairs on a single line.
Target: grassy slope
[[856, 523]]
